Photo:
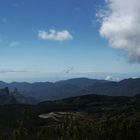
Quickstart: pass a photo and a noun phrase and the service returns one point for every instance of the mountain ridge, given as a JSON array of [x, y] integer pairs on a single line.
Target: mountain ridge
[[75, 87]]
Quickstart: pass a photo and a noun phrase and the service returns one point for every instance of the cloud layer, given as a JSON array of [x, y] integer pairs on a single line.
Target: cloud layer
[[120, 25], [11, 71], [54, 35]]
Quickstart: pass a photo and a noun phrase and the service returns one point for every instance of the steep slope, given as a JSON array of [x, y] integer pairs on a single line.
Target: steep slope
[[22, 99], [6, 97]]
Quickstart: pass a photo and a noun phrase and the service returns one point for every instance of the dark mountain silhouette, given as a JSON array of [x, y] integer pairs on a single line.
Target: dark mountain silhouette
[[127, 87], [52, 91], [22, 99], [89, 117], [74, 87], [6, 97]]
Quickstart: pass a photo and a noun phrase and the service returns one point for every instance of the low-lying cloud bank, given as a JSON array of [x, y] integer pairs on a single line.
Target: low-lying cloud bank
[[120, 24]]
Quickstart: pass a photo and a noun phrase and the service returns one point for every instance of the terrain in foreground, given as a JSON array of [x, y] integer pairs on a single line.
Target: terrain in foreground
[[88, 117]]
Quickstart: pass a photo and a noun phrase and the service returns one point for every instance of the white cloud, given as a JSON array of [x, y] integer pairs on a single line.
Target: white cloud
[[54, 35], [111, 78], [120, 25], [14, 43]]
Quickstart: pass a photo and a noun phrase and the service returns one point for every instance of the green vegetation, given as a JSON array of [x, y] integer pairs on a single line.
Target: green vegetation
[[89, 117]]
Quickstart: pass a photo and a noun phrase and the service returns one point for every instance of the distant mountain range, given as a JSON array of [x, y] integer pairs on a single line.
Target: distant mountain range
[[52, 91], [73, 87], [127, 87]]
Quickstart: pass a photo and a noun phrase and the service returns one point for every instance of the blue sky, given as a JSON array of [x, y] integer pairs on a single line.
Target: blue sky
[[71, 45]]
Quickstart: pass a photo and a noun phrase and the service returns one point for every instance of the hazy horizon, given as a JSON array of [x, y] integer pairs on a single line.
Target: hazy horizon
[[54, 77]]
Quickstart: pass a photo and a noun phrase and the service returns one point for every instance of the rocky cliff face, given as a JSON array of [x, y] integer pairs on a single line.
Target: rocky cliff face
[[6, 97]]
